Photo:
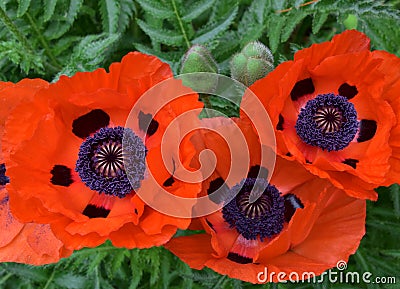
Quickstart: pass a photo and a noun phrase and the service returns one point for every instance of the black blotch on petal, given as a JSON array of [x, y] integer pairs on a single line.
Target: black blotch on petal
[[239, 259], [292, 203], [367, 130], [257, 172], [136, 211], [3, 178], [210, 224], [214, 186], [351, 162], [61, 176], [147, 123], [93, 211], [301, 88], [288, 154], [348, 91], [89, 123], [308, 162], [279, 126], [168, 182]]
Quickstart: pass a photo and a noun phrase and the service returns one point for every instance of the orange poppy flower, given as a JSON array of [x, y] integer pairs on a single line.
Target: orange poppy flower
[[335, 110], [23, 243], [298, 223], [75, 166]]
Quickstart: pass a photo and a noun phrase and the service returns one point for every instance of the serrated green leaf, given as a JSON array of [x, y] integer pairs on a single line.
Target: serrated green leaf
[[319, 18], [168, 37], [49, 7], [70, 281], [291, 22], [197, 9], [128, 8], [157, 9], [28, 272], [252, 23], [117, 260], [23, 6], [89, 53], [221, 9], [212, 30], [110, 11], [74, 7], [274, 28], [59, 26]]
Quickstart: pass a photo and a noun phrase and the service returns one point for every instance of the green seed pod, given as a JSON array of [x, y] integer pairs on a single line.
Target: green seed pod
[[198, 59], [254, 62]]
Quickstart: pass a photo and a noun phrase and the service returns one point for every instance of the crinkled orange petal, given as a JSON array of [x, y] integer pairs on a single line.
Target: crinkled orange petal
[[337, 232], [75, 241], [389, 66], [136, 66], [350, 41], [194, 250], [130, 236], [7, 222], [26, 243]]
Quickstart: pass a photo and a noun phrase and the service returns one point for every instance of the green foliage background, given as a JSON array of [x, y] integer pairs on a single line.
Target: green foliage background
[[47, 38]]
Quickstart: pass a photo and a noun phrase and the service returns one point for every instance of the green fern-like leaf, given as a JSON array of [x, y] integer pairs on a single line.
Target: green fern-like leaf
[[127, 8], [198, 8], [110, 13], [213, 29], [23, 6], [49, 8], [274, 27], [70, 281], [62, 23], [89, 54], [319, 18], [291, 22], [157, 8], [252, 24], [169, 37]]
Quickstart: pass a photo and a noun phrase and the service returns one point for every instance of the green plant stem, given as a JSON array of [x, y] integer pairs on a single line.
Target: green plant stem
[[50, 279], [14, 30], [44, 43], [178, 17]]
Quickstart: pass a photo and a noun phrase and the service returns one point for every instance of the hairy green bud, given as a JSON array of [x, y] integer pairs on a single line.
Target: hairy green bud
[[254, 62], [198, 59]]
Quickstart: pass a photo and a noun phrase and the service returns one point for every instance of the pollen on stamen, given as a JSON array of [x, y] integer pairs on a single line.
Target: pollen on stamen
[[328, 121], [103, 160], [262, 217]]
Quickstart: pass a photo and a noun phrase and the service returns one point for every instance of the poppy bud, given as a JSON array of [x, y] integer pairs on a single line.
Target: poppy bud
[[254, 62], [198, 59]]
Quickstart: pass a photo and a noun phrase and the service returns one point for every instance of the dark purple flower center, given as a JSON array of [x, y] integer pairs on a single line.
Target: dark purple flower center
[[328, 121], [106, 157], [257, 210]]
